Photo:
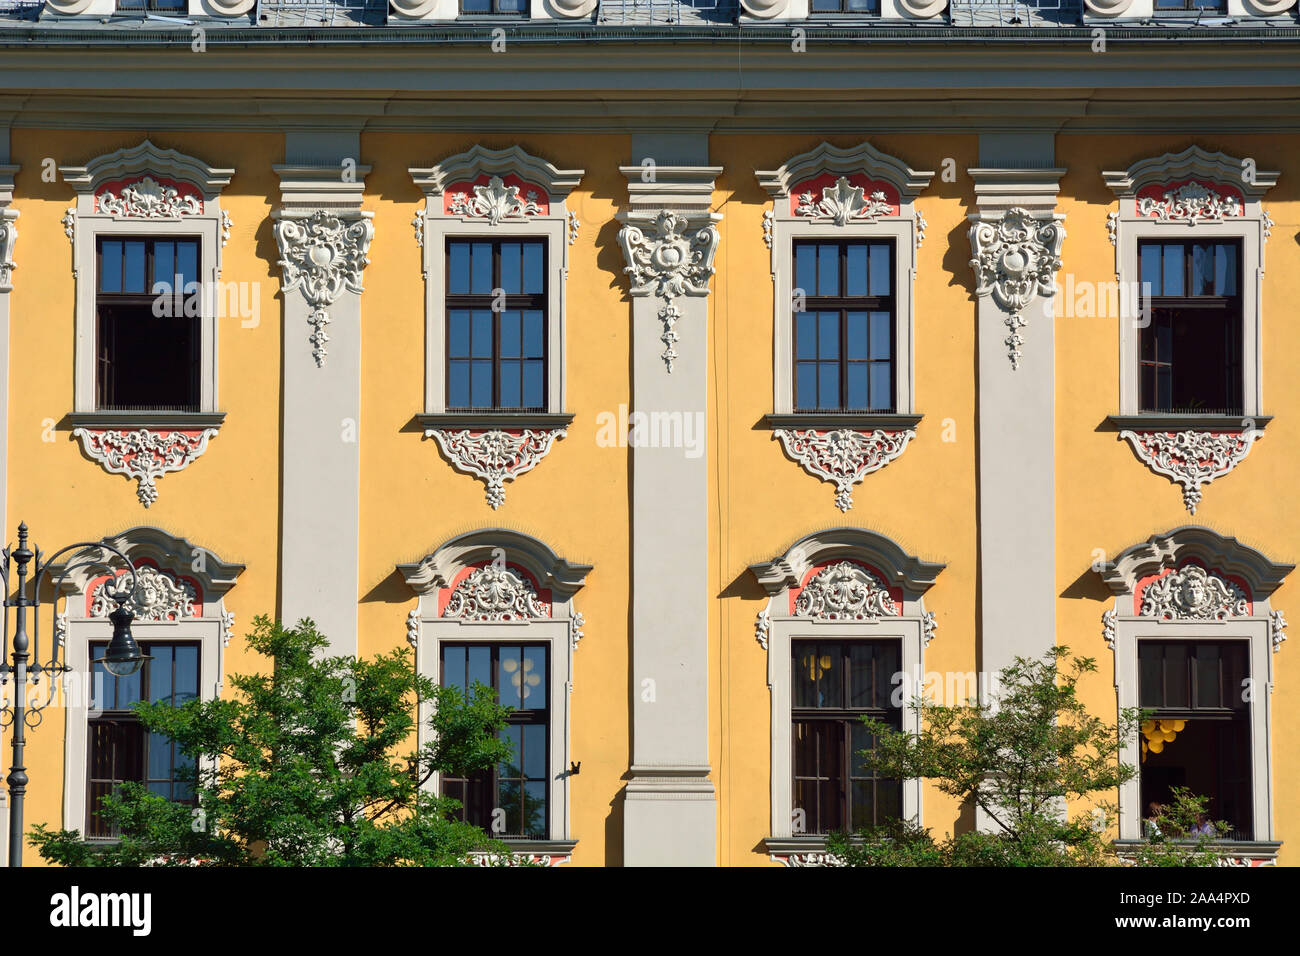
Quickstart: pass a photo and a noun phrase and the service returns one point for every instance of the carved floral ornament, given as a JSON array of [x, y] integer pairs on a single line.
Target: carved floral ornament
[[143, 454], [845, 591], [1015, 259], [495, 593], [1191, 203], [323, 255], [843, 456], [496, 456], [496, 201], [843, 203], [669, 257], [8, 236], [146, 198], [1191, 458], [159, 596]]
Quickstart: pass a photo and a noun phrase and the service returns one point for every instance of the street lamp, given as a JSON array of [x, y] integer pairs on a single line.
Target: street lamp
[[121, 659]]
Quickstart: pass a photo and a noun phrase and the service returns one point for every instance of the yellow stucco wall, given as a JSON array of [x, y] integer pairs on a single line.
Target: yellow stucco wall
[[577, 500]]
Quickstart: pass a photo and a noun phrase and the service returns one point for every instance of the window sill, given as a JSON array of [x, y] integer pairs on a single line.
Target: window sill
[[143, 419], [503, 420], [1166, 421], [550, 852], [828, 420], [1235, 849]]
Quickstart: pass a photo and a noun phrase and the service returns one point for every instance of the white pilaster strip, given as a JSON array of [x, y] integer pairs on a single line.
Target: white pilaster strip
[[1016, 240], [323, 236], [669, 241]]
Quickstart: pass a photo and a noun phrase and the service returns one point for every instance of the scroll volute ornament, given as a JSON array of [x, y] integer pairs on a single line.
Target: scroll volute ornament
[[1015, 260], [764, 9]]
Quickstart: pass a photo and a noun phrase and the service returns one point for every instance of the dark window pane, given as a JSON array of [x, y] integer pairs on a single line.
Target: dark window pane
[[511, 277], [805, 268], [857, 335], [160, 674], [828, 385], [828, 269], [1174, 270], [479, 666], [187, 673], [480, 378], [881, 278], [533, 397], [856, 280], [805, 335], [882, 387], [164, 267], [458, 333], [187, 261], [110, 273], [534, 278], [828, 335], [805, 387], [453, 666], [881, 335], [1202, 269], [1149, 254], [458, 384], [458, 268], [511, 339], [857, 385], [534, 334], [481, 268], [133, 262], [511, 385], [511, 677], [481, 333], [1209, 690], [1225, 269]]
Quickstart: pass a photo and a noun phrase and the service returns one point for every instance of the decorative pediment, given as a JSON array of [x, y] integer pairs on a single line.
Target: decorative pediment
[[891, 566], [1186, 592], [440, 569], [175, 578], [148, 182], [843, 171], [1197, 181], [495, 185]]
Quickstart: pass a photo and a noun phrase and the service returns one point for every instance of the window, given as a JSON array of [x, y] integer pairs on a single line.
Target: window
[[144, 360], [519, 673], [1191, 352], [843, 337], [120, 749], [835, 685], [1199, 734], [1218, 6], [846, 6], [152, 6], [505, 8], [496, 324]]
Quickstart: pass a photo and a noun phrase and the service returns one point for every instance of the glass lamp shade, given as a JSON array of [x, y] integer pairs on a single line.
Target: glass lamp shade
[[123, 657]]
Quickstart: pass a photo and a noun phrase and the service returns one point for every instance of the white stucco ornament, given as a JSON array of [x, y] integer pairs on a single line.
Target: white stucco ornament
[[143, 454], [1015, 259], [1191, 458], [845, 592], [323, 255], [1194, 594], [843, 456], [495, 456]]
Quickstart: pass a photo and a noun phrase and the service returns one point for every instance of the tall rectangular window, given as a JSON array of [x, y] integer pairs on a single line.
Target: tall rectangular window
[[1199, 734], [147, 348], [844, 325], [519, 673], [1191, 357], [496, 324], [836, 683], [120, 748]]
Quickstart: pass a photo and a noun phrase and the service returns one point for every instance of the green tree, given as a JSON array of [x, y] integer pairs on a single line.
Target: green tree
[[1181, 833], [309, 765], [1018, 758]]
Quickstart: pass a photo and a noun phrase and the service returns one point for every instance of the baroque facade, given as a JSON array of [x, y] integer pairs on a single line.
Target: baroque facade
[[697, 374]]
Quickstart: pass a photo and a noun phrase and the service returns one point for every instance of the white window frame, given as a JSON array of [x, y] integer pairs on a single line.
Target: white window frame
[[85, 225], [427, 631], [781, 227], [558, 227], [1261, 631], [1127, 227], [212, 630], [777, 629]]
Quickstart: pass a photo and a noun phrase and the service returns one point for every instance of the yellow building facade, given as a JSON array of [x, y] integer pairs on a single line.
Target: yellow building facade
[[689, 499]]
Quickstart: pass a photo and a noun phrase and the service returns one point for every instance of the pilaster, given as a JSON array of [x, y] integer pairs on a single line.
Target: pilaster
[[323, 236], [1016, 237], [669, 240]]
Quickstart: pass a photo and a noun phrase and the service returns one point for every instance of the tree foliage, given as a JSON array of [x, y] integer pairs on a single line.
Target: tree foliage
[[311, 764]]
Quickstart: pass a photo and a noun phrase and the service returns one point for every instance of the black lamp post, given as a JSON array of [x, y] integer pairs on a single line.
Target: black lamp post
[[121, 659]]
